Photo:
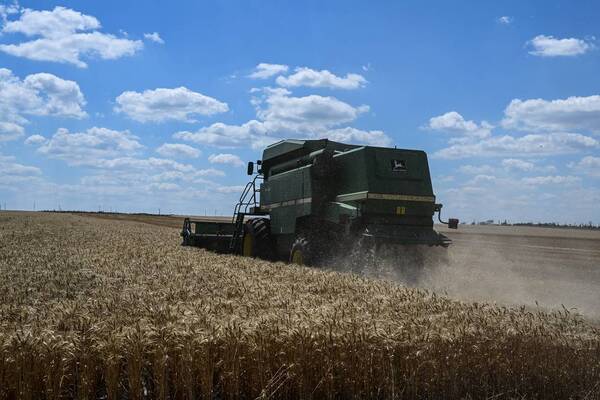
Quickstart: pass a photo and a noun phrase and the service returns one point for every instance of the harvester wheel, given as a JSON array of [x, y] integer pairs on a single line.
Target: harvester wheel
[[257, 239], [301, 252]]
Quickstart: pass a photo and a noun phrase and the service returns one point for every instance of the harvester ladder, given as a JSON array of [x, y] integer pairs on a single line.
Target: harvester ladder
[[248, 199]]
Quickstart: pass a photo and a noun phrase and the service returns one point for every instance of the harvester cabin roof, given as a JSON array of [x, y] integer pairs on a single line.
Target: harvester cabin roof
[[290, 149]]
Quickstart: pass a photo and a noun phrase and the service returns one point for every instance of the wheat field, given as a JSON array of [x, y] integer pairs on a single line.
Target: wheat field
[[93, 308]]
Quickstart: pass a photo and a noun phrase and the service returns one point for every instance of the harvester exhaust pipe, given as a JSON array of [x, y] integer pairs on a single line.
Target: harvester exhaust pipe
[[452, 222]]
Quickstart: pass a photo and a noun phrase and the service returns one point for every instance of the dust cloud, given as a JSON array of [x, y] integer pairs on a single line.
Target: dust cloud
[[502, 271], [480, 273]]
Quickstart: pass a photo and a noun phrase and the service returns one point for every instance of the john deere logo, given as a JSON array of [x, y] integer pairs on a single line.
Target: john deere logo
[[398, 165]]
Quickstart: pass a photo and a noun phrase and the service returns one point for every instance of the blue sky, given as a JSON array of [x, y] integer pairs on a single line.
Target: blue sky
[[129, 107]]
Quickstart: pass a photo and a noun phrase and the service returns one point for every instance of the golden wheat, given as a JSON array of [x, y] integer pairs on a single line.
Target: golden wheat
[[93, 308]]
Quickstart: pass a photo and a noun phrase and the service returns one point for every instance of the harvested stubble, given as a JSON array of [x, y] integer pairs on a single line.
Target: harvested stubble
[[103, 309]]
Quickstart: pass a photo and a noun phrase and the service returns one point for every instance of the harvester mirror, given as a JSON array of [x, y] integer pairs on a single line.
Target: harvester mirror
[[250, 167], [453, 223]]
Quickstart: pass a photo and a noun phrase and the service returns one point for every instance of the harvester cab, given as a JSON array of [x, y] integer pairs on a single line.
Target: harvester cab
[[312, 198]]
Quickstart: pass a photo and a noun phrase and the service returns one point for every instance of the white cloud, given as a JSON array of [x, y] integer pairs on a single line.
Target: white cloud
[[230, 189], [265, 70], [226, 158], [159, 105], [357, 136], [515, 164], [551, 180], [282, 116], [35, 140], [533, 145], [281, 111], [454, 123], [115, 155], [505, 20], [591, 162], [87, 148], [476, 169], [482, 179], [65, 36], [177, 150], [581, 113], [8, 167], [52, 24], [40, 94], [10, 131], [154, 37], [549, 46], [223, 135], [59, 97], [131, 163], [589, 165], [311, 78], [8, 9]]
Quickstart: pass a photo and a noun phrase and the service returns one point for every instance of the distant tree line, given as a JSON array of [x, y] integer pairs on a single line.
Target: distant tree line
[[588, 226], [107, 212]]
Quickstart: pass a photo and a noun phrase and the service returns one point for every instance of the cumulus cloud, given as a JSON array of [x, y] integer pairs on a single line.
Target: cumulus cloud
[[454, 123], [159, 105], [40, 94], [549, 46], [178, 150], [115, 155], [87, 148], [219, 134], [230, 189], [281, 115], [591, 162], [226, 158], [65, 36], [34, 140], [154, 37], [572, 113], [10, 131], [358, 136], [476, 169], [590, 165], [519, 165], [505, 20], [551, 180], [265, 70], [8, 9], [533, 145], [297, 113], [9, 167], [309, 77], [142, 164]]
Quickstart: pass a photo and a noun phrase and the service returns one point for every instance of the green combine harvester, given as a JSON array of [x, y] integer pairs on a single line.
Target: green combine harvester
[[314, 199]]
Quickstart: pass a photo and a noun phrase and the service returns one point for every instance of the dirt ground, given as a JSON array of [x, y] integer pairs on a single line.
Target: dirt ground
[[523, 265], [532, 266]]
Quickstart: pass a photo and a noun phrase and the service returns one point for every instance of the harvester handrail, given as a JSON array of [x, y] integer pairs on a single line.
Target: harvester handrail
[[244, 202]]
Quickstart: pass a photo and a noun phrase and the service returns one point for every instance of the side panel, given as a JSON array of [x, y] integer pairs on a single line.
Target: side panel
[[287, 196], [352, 171]]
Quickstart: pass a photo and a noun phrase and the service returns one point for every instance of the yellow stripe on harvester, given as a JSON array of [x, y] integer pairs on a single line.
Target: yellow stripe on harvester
[[384, 196]]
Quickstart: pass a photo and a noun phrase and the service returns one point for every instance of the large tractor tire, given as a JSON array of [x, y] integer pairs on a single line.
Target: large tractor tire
[[301, 252], [257, 239]]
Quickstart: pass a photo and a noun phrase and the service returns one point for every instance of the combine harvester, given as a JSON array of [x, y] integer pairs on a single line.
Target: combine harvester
[[320, 198]]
